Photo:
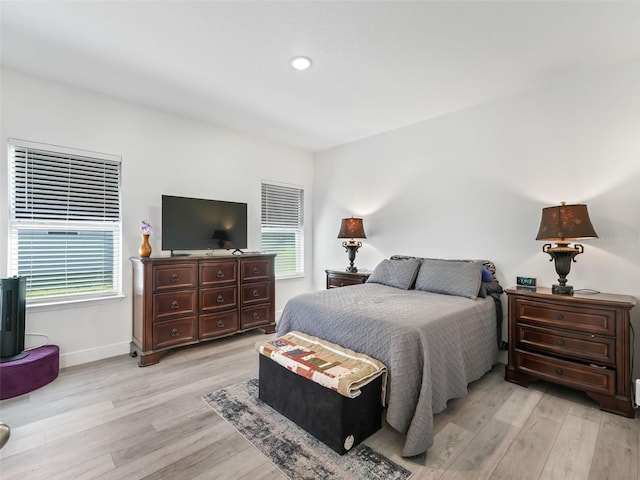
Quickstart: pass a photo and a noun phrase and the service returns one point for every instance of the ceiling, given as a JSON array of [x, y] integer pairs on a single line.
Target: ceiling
[[377, 66]]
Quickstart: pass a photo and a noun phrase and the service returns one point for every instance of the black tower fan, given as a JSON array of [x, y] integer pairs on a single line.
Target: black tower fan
[[12, 310]]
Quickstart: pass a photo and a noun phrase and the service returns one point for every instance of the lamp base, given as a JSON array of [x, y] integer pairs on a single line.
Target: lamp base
[[562, 289], [352, 268]]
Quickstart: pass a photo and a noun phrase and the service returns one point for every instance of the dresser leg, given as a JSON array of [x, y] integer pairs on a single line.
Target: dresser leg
[[515, 376], [145, 359], [271, 328]]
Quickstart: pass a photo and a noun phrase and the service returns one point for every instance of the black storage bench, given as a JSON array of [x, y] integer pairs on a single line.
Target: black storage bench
[[339, 421]]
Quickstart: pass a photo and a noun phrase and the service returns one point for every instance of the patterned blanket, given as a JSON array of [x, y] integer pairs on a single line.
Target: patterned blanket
[[325, 363]]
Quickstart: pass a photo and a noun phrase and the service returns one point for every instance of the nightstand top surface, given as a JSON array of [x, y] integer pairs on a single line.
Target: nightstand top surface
[[578, 297], [359, 272]]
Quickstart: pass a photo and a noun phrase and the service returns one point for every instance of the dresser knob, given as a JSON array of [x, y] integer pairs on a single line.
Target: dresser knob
[[255, 316], [175, 277], [255, 271], [559, 316], [174, 332], [220, 299], [220, 324], [220, 274], [174, 305], [255, 293], [560, 342], [559, 371]]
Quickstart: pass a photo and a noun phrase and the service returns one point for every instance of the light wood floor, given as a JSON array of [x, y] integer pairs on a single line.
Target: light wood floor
[[113, 420]]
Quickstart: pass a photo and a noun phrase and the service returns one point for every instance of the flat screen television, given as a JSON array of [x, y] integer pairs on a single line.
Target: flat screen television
[[201, 224]]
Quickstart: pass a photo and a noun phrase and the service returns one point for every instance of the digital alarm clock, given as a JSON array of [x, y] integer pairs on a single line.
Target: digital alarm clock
[[525, 281]]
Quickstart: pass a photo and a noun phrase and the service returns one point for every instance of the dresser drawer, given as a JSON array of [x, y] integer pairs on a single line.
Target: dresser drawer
[[174, 332], [174, 304], [172, 277], [580, 319], [216, 324], [218, 273], [216, 299], [255, 270], [588, 348], [582, 377], [255, 316], [256, 293]]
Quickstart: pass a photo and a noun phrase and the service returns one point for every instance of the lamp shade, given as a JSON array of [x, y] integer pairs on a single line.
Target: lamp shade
[[565, 222], [351, 228]]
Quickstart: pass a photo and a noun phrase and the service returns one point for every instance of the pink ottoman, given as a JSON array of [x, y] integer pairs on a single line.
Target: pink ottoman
[[35, 370]]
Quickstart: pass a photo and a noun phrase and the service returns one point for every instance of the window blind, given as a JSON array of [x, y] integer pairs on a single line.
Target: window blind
[[65, 221], [283, 227]]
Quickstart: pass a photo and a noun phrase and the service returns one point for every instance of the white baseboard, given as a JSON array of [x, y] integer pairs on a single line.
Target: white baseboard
[[92, 354], [637, 391]]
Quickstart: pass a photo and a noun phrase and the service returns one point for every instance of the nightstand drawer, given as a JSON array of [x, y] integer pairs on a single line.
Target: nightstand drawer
[[337, 278], [580, 319], [583, 377], [588, 348]]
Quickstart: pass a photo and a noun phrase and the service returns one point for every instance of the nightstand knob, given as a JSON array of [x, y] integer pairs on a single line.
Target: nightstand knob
[[559, 316], [220, 274], [560, 342], [174, 332], [175, 305], [220, 324], [255, 271], [220, 299], [559, 371], [175, 277]]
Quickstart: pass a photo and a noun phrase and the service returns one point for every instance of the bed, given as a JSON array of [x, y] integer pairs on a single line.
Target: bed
[[431, 322]]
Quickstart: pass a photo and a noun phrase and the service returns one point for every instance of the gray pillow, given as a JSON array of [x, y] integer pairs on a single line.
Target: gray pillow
[[451, 277], [396, 273]]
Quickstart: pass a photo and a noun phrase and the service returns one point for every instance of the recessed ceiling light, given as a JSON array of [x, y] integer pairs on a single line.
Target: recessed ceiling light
[[300, 63]]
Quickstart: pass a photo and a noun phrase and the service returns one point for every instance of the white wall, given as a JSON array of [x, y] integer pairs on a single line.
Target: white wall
[[161, 154], [472, 184]]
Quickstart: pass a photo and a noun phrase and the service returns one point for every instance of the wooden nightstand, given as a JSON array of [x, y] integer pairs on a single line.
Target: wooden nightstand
[[341, 278], [580, 341]]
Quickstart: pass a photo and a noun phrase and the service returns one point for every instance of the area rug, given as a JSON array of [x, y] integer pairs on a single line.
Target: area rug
[[294, 451]]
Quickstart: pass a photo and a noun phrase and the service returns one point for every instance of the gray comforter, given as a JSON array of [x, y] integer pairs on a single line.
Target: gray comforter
[[433, 345]]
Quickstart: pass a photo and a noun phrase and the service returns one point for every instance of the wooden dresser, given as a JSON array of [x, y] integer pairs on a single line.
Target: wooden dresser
[[184, 300], [581, 341]]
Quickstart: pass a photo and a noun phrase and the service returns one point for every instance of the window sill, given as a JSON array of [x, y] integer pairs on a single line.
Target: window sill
[[287, 277], [66, 304]]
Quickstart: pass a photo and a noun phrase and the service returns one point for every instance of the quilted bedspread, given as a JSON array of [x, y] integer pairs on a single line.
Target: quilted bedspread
[[433, 345]]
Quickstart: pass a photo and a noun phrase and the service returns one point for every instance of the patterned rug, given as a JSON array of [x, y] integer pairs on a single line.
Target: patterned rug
[[294, 451]]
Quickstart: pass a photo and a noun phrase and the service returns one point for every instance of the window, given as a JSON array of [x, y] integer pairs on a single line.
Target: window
[[64, 222], [282, 227]]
